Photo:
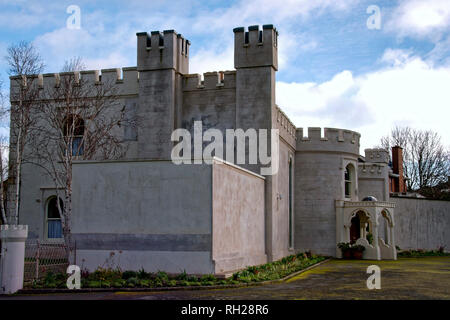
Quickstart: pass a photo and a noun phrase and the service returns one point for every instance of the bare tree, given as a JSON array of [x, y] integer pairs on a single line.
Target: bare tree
[[3, 158], [426, 162], [74, 64], [4, 174], [79, 119], [24, 61]]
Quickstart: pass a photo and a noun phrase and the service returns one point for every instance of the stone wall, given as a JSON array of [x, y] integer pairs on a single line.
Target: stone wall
[[421, 223]]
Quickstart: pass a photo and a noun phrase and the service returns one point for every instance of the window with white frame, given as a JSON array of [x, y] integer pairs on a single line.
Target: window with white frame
[[348, 180], [53, 219]]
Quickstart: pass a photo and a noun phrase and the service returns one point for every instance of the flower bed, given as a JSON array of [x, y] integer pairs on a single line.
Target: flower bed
[[422, 253], [115, 278]]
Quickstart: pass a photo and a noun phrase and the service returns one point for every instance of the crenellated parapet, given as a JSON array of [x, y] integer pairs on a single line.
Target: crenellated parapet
[[373, 170], [377, 155], [162, 50], [287, 129], [124, 80], [333, 140], [211, 81]]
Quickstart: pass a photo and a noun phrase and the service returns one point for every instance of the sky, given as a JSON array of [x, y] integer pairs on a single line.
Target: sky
[[355, 64]]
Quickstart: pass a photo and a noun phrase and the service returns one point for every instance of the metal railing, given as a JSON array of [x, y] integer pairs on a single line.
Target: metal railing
[[42, 257]]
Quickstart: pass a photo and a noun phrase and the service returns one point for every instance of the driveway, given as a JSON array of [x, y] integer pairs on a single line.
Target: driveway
[[406, 278]]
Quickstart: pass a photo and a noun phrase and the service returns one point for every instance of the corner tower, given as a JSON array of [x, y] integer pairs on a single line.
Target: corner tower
[[162, 59], [256, 62]]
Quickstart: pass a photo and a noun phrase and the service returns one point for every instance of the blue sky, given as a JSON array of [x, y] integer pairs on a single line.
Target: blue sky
[[334, 71]]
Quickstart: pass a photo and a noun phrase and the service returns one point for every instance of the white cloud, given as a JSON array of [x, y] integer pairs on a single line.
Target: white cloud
[[406, 92], [212, 60], [112, 51], [420, 18]]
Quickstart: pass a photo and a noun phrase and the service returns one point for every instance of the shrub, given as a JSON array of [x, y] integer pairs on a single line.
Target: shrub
[[129, 274], [142, 274], [119, 283], [94, 284], [343, 245], [369, 238], [163, 276], [172, 283], [209, 277], [192, 279], [144, 283], [182, 276], [132, 282], [358, 247], [158, 282]]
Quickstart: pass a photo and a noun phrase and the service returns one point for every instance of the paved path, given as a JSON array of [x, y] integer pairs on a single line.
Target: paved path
[[407, 278]]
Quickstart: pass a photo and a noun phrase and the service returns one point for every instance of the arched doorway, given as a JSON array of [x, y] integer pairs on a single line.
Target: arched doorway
[[360, 226], [355, 230]]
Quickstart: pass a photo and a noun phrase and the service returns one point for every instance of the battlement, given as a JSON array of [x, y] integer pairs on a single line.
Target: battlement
[[5, 227], [372, 170], [124, 79], [256, 48], [13, 233], [377, 155], [287, 129], [333, 140], [166, 50], [211, 81]]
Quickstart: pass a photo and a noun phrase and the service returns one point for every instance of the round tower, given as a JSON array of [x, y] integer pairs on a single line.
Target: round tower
[[325, 171]]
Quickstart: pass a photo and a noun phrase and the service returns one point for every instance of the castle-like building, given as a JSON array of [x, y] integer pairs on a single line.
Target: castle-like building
[[218, 217]]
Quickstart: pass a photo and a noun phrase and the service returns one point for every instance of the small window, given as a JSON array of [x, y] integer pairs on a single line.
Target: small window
[[74, 129], [54, 225]]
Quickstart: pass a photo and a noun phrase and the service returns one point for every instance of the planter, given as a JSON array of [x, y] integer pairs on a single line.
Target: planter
[[347, 254], [357, 254]]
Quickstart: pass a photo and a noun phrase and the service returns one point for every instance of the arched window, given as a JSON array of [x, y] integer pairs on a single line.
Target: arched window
[[74, 129], [348, 181], [54, 225]]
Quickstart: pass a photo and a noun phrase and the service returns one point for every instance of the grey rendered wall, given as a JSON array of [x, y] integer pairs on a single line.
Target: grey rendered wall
[[153, 214], [280, 220], [373, 181], [35, 189], [238, 218], [421, 223]]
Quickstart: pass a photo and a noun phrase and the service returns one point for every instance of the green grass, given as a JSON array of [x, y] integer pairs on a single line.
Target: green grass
[[115, 278]]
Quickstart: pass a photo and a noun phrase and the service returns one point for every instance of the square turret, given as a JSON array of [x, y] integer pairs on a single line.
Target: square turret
[[256, 48], [166, 50]]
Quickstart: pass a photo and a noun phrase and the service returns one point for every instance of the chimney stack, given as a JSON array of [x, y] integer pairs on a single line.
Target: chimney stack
[[397, 168]]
